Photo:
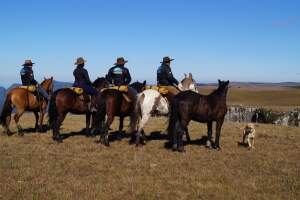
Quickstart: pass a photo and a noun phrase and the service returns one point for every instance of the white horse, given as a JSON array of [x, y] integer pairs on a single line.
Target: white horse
[[150, 102]]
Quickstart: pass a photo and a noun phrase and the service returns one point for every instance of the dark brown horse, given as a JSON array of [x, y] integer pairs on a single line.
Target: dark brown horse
[[23, 100], [188, 105], [112, 103], [65, 101]]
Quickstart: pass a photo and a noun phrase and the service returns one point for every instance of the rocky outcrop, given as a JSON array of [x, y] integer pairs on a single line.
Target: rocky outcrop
[[262, 115]]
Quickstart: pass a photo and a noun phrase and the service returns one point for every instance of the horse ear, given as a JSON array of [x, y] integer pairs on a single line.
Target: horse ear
[[219, 81], [144, 83], [190, 75], [185, 76], [51, 78]]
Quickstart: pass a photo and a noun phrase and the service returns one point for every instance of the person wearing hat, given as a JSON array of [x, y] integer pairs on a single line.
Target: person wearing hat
[[119, 75], [164, 73], [27, 78], [82, 80]]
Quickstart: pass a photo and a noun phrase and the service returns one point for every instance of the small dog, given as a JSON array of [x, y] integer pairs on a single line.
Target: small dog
[[249, 134]]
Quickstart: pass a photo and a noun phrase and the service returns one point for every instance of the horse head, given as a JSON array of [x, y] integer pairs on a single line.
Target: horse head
[[47, 84], [100, 83], [223, 87], [188, 83], [139, 87]]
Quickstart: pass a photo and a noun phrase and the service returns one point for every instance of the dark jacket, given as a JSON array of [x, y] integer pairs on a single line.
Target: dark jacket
[[165, 76], [81, 76], [118, 75], [27, 76]]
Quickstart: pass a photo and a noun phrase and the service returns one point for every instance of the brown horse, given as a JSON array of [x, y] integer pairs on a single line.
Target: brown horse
[[112, 103], [23, 100], [65, 101], [187, 106]]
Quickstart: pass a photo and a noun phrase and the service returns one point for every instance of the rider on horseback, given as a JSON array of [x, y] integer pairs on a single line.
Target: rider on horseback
[[27, 78], [119, 75], [82, 80], [164, 73]]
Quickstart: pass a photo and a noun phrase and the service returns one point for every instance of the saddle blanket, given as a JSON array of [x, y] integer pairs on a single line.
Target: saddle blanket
[[160, 89], [30, 88], [121, 88]]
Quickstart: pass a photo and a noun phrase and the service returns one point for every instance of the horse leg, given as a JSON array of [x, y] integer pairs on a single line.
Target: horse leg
[[121, 125], [218, 133], [187, 135], [87, 124], [36, 115], [140, 131], [17, 116], [41, 121], [183, 126], [209, 134], [104, 136], [56, 135], [6, 125]]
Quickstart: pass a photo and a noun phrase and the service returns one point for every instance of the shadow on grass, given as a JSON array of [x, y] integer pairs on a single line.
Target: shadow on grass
[[200, 142], [44, 129]]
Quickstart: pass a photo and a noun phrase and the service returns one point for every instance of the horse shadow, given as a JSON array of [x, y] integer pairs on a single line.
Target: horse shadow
[[199, 142], [30, 130], [82, 132]]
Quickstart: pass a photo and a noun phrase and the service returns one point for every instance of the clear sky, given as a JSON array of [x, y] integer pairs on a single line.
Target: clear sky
[[239, 40]]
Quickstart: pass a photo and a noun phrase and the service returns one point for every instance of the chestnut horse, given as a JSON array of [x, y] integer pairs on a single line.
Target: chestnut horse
[[112, 103], [64, 101], [23, 100], [187, 106]]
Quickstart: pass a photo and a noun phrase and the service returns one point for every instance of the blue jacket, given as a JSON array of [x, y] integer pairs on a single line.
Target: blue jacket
[[118, 75], [27, 76]]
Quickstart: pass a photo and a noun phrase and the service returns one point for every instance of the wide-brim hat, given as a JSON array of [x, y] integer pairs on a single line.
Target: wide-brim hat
[[167, 59], [79, 61], [28, 62], [121, 61]]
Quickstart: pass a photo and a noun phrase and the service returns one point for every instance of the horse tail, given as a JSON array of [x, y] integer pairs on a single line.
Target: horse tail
[[137, 112], [7, 110], [174, 117], [52, 112], [101, 111]]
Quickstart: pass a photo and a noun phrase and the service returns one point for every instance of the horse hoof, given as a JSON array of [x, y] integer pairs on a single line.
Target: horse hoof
[[174, 147], [217, 148], [21, 134], [181, 149]]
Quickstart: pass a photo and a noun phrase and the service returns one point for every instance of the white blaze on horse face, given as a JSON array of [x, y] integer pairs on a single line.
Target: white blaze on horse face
[[192, 87]]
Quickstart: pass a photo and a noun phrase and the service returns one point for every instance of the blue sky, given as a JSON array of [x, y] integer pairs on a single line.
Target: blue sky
[[239, 40]]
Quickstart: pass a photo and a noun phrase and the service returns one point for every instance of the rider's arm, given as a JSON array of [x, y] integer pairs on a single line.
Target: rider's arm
[[170, 76], [109, 76], [87, 77], [127, 77]]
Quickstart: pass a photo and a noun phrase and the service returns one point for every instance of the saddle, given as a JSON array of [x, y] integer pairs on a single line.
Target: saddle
[[121, 88], [29, 88], [160, 89], [77, 90]]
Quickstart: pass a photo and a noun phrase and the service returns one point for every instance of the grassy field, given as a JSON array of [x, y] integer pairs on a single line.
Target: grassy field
[[35, 167], [276, 98]]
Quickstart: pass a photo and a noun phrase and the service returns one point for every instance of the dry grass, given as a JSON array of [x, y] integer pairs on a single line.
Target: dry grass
[[276, 98], [35, 167]]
